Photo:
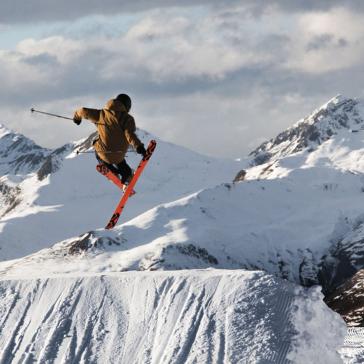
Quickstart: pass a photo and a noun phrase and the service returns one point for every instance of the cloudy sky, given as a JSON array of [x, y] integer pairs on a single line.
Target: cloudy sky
[[216, 76]]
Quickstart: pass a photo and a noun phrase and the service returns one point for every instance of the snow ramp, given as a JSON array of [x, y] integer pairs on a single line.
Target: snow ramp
[[197, 316]]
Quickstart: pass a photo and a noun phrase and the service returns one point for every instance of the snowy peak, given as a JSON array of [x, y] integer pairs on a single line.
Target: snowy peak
[[3, 130], [18, 154], [338, 115]]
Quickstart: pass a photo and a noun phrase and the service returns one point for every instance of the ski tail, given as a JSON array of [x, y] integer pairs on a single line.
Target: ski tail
[[105, 171]]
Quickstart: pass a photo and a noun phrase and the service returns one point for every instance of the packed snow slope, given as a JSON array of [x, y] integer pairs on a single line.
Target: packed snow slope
[[288, 218], [47, 196], [210, 316]]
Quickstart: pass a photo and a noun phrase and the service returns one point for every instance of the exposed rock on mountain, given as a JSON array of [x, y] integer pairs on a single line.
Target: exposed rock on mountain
[[348, 300], [9, 197]]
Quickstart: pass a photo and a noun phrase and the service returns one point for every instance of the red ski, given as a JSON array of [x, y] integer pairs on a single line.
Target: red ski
[[105, 171], [120, 207]]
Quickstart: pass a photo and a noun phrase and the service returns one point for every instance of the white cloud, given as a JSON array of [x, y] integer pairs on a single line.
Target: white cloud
[[64, 50], [233, 77], [14, 73], [164, 47], [177, 48], [339, 37]]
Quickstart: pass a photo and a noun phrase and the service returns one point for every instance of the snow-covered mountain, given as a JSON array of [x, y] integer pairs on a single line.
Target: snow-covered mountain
[[287, 218], [297, 215], [339, 114], [18, 154], [265, 225], [61, 194]]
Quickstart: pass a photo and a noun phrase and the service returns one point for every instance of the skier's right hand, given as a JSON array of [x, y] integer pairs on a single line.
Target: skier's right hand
[[76, 119], [141, 150]]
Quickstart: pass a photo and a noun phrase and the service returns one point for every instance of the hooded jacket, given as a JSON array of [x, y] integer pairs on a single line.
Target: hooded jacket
[[116, 129]]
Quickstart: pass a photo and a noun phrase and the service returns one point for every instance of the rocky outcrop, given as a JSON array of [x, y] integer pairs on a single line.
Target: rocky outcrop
[[9, 198], [348, 300], [53, 162]]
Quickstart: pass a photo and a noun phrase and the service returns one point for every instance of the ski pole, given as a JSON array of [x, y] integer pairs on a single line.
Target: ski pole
[[104, 152], [50, 114], [57, 116]]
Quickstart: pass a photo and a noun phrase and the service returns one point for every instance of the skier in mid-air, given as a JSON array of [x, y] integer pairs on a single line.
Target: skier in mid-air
[[116, 131]]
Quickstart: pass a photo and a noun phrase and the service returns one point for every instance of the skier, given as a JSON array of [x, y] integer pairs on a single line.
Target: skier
[[116, 131]]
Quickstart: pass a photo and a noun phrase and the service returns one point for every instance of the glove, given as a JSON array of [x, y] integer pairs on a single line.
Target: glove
[[141, 150], [76, 119]]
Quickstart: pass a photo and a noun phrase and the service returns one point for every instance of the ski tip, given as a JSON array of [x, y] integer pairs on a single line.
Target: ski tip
[[151, 146]]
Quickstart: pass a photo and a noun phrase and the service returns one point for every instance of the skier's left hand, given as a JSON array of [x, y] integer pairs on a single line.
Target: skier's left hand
[[141, 150]]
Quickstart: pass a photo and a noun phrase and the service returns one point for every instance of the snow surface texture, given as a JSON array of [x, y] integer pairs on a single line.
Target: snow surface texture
[[157, 317], [65, 195], [353, 349]]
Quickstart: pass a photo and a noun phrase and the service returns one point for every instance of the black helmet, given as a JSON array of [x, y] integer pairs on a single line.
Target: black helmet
[[126, 100]]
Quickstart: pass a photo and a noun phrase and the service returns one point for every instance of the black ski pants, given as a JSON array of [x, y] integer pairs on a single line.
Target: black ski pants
[[121, 168]]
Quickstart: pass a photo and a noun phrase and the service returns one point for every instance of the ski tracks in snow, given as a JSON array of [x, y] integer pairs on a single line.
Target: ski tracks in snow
[[353, 349], [206, 316]]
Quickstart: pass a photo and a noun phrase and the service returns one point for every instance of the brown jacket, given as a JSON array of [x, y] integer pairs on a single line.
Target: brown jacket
[[116, 130]]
